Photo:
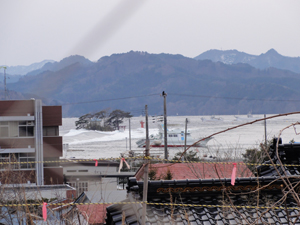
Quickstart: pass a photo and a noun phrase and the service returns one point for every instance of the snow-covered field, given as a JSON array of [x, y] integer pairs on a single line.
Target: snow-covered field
[[95, 144]]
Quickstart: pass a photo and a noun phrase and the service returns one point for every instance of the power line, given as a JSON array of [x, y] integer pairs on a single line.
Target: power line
[[106, 100], [180, 94], [233, 98], [171, 162], [153, 203]]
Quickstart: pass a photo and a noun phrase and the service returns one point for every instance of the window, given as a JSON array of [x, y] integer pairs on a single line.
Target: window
[[83, 171], [26, 129], [8, 158], [71, 171], [50, 131], [82, 186], [72, 184], [21, 160], [16, 129], [27, 160], [3, 159]]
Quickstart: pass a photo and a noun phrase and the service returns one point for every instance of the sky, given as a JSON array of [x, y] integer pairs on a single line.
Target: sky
[[33, 30]]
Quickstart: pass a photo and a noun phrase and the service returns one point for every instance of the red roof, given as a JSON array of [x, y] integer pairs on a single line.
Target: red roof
[[94, 214], [182, 171]]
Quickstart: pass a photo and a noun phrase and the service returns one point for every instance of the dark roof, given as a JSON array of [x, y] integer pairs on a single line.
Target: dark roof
[[252, 200], [288, 154]]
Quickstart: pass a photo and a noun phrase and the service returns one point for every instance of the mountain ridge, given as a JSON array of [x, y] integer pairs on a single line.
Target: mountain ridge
[[23, 70], [194, 87], [263, 61]]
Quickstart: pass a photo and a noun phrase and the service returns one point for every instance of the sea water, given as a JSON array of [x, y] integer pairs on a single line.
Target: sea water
[[88, 144]]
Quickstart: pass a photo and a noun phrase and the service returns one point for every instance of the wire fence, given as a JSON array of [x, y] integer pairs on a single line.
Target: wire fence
[[150, 203], [153, 159], [289, 187]]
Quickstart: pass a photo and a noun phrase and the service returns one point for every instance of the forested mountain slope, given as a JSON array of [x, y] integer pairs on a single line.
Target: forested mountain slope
[[194, 87]]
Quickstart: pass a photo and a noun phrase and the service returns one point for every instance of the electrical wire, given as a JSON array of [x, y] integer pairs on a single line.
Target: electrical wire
[[106, 100], [179, 94], [232, 98]]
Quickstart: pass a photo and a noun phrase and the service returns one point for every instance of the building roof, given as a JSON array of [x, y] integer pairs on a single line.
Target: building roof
[[33, 186], [102, 196], [93, 214], [96, 213], [252, 200], [181, 171], [288, 154]]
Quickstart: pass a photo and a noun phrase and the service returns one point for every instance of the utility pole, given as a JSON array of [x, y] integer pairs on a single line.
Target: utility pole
[[146, 172], [129, 135], [265, 123], [185, 134], [164, 94]]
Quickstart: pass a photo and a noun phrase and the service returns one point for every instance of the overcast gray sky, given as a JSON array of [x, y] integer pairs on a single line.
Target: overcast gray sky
[[34, 30]]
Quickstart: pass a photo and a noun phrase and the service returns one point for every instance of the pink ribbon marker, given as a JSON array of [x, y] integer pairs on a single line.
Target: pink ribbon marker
[[45, 211], [233, 175], [121, 164], [96, 162], [126, 163]]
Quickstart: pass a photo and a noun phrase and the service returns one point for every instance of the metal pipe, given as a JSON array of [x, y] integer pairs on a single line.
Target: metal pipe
[[146, 172], [165, 126]]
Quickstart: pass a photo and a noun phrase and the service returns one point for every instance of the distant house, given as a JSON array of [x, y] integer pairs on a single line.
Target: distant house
[[94, 184], [94, 213], [85, 176], [270, 198], [30, 192], [33, 194]]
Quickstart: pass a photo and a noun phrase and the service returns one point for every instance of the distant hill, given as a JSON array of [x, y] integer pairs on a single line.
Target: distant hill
[[23, 70], [269, 59], [131, 80], [9, 78], [14, 73], [20, 96], [55, 66]]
